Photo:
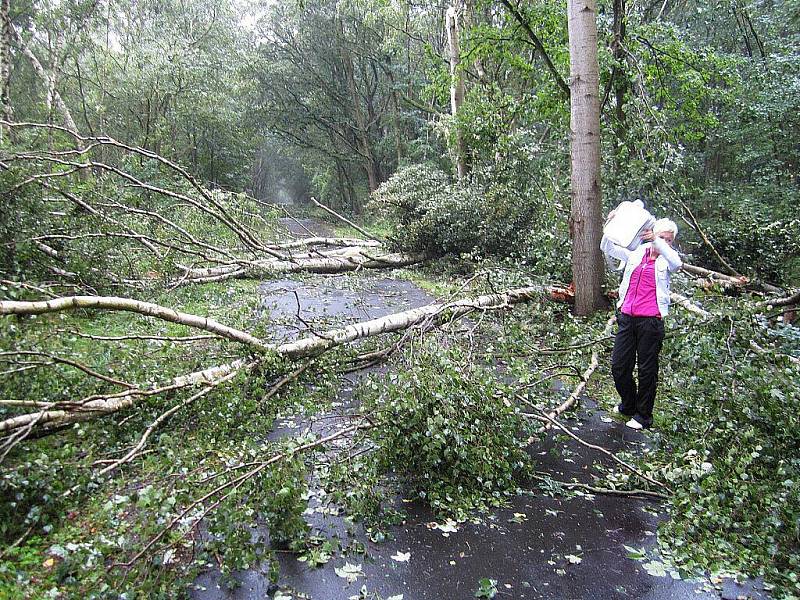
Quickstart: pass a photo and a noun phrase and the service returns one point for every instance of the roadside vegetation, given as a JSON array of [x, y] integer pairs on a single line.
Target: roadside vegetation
[[152, 155]]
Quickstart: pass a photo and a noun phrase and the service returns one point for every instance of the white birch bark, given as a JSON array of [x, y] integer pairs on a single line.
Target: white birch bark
[[311, 345], [342, 261], [14, 307], [456, 84], [5, 63], [47, 81]]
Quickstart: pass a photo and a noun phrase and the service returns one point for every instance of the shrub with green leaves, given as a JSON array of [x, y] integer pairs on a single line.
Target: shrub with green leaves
[[435, 216], [507, 207], [731, 417], [757, 232], [447, 428]]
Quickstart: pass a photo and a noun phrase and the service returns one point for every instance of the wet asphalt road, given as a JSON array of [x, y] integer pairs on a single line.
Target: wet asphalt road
[[544, 545]]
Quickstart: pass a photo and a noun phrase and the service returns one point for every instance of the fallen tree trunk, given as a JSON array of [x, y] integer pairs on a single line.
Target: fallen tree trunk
[[90, 408], [325, 241], [320, 342], [721, 278], [332, 262], [13, 307], [315, 344]]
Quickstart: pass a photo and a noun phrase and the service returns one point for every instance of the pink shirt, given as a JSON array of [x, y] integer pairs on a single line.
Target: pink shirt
[[640, 301]]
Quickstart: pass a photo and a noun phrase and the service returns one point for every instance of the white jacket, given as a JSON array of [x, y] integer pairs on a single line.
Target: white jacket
[[667, 262]]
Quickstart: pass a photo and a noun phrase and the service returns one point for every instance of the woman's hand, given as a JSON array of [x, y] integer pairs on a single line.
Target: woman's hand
[[647, 235]]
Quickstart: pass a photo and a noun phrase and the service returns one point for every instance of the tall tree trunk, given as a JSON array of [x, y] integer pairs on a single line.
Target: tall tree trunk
[[47, 80], [362, 135], [5, 63], [456, 85], [585, 215]]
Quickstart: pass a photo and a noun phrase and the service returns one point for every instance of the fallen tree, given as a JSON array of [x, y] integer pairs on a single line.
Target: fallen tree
[[337, 261], [56, 414], [151, 224]]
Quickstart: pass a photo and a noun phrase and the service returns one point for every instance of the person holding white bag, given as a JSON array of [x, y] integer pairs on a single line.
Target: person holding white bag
[[643, 303]]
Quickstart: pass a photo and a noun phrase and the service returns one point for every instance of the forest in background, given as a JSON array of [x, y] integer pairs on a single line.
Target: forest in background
[[333, 99], [149, 148]]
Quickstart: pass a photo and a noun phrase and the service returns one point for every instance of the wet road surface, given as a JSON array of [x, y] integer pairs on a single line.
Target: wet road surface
[[544, 545]]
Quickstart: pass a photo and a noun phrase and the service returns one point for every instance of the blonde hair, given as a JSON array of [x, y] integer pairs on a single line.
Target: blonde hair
[[665, 225]]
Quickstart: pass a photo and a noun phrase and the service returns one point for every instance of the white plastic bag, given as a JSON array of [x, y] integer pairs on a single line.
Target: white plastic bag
[[630, 219]]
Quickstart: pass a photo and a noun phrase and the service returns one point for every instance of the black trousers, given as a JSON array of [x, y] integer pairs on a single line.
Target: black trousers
[[639, 340]]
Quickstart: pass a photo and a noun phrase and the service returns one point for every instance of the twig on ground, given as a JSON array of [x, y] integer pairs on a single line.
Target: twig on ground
[[286, 379], [599, 490], [573, 397], [233, 484], [16, 543], [546, 418], [163, 417]]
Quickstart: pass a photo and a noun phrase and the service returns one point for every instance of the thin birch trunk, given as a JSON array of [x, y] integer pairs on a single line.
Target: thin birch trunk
[[456, 86], [6, 112]]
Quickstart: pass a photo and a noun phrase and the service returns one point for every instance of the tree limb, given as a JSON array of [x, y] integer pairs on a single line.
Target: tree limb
[[537, 43], [345, 220], [13, 307]]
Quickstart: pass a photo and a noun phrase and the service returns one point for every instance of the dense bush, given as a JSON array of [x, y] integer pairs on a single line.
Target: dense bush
[[731, 450], [447, 428], [434, 215], [504, 209], [756, 234]]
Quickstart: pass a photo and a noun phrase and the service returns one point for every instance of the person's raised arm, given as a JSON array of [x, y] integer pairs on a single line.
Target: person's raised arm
[[669, 253], [609, 248]]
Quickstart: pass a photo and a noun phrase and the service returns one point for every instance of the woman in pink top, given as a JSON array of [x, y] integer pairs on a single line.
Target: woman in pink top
[[643, 302]]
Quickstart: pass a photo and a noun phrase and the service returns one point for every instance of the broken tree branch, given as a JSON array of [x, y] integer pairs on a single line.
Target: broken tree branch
[[13, 307], [313, 345], [62, 413], [573, 397], [721, 278], [599, 490], [235, 484], [687, 304], [546, 418], [163, 417], [345, 220], [707, 242]]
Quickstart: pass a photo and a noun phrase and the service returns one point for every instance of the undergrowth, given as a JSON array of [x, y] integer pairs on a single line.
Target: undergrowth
[[447, 431], [67, 532]]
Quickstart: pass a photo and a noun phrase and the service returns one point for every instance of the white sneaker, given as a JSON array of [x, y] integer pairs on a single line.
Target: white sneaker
[[634, 424]]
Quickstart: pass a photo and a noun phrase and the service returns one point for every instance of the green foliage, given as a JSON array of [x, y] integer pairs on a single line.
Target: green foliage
[[730, 450], [501, 211], [73, 526], [360, 487], [448, 430], [714, 133], [435, 216], [755, 234], [99, 233], [487, 588]]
